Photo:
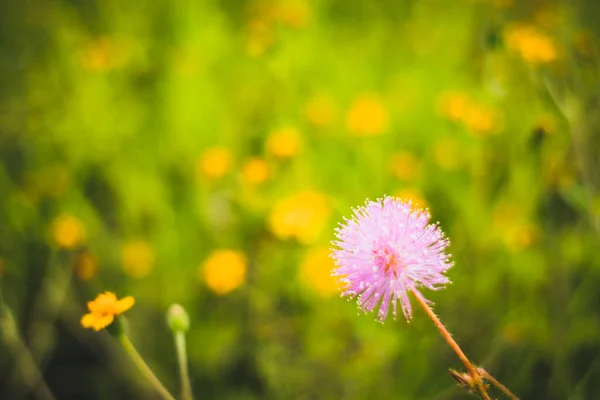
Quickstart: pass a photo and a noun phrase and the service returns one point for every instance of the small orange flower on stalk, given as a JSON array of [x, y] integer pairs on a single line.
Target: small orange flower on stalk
[[104, 309]]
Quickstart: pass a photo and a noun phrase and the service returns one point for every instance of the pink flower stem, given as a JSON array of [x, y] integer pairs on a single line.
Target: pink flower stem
[[472, 370]]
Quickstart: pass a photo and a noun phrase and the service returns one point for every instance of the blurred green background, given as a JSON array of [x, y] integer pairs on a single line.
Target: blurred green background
[[202, 152]]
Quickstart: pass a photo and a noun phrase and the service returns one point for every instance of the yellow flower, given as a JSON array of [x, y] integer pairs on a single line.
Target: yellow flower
[[418, 201], [293, 13], [367, 116], [224, 270], [532, 45], [103, 54], [479, 120], [255, 171], [214, 163], [85, 266], [320, 111], [454, 105], [315, 271], [284, 142], [405, 166], [104, 309], [301, 216], [259, 38], [68, 231], [446, 153], [137, 258]]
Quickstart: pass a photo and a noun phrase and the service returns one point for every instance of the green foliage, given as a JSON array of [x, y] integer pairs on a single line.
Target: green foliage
[[110, 116]]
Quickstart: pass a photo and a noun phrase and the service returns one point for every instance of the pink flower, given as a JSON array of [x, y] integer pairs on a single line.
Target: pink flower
[[387, 249]]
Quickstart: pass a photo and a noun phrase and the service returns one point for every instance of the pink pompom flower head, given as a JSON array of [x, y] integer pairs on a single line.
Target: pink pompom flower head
[[387, 249]]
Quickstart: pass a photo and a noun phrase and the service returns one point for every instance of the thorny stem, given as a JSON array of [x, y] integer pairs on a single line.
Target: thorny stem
[[500, 386], [468, 365], [144, 368]]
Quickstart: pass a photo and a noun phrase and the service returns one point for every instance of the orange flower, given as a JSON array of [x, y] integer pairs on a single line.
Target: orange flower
[[104, 309]]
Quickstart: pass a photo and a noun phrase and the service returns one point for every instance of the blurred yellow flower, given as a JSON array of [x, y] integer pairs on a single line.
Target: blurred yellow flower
[[315, 271], [137, 258], [214, 163], [68, 231], [367, 116], [321, 111], [531, 44], [302, 216], [446, 153], [480, 120], [284, 142], [259, 38], [520, 236], [418, 201], [224, 270], [294, 13], [103, 54], [405, 166], [454, 105], [85, 266], [255, 171], [104, 309]]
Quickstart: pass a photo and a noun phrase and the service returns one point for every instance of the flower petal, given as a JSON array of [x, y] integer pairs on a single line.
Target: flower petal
[[102, 321], [87, 321], [125, 304]]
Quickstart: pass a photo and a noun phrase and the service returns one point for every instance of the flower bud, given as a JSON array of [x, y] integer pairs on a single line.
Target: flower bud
[[178, 319]]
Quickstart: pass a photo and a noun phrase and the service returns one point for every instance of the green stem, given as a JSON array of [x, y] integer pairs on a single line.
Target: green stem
[[25, 364], [186, 387], [144, 368]]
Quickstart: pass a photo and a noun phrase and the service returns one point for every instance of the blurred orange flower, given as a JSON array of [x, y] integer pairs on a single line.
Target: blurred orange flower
[[302, 216], [224, 270], [367, 116], [315, 271], [214, 163], [284, 142], [137, 258], [68, 231], [104, 309]]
